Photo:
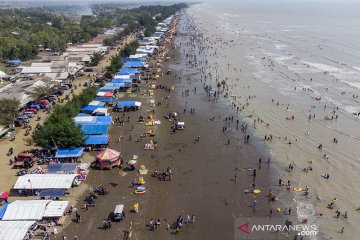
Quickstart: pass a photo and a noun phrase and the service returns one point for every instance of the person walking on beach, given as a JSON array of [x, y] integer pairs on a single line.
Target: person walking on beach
[[78, 218]]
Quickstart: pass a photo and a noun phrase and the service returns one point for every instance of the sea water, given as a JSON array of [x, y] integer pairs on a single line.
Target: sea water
[[296, 52]]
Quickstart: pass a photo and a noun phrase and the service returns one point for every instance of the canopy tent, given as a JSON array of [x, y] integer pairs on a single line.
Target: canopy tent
[[69, 152], [133, 64], [52, 193], [108, 89], [105, 99], [97, 103], [4, 195], [104, 94], [45, 181], [121, 81], [108, 154], [108, 159], [93, 119], [123, 76], [128, 71], [97, 139], [128, 104], [55, 208], [61, 168], [90, 108], [25, 210], [95, 129], [3, 209], [129, 59], [113, 84], [14, 230]]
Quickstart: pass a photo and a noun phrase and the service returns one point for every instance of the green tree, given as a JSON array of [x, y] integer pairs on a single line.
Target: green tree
[[96, 58], [108, 42], [63, 133], [44, 89], [9, 110]]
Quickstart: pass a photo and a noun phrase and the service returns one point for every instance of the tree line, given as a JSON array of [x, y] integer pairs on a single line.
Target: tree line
[[23, 31]]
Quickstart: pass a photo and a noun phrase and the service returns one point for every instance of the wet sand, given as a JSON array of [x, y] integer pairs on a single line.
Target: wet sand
[[203, 182]]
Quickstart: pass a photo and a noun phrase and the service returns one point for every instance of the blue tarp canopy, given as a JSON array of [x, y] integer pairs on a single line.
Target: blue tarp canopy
[[17, 61], [120, 85], [121, 80], [126, 104], [59, 168], [131, 59], [97, 139], [93, 120], [108, 89], [83, 115], [69, 152], [91, 108], [105, 99], [3, 210], [127, 71], [101, 104], [113, 84], [95, 129], [133, 64], [52, 193]]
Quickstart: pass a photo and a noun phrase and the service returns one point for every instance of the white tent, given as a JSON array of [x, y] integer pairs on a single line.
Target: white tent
[[55, 208], [45, 181], [14, 230], [25, 210]]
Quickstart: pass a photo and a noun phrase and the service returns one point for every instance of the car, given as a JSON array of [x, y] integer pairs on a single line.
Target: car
[[65, 87], [52, 97], [23, 118], [28, 114], [34, 110]]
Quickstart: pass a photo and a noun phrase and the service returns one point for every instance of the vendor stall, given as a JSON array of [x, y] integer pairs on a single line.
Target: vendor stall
[[108, 159]]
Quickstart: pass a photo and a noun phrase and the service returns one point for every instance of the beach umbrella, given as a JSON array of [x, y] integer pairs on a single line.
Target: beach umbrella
[[132, 162]]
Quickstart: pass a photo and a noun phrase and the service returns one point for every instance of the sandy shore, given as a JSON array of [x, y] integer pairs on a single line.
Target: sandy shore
[[203, 183]]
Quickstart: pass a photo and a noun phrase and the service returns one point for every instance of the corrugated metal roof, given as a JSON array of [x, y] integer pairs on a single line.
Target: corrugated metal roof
[[14, 230], [56, 209], [25, 210], [45, 181], [34, 70]]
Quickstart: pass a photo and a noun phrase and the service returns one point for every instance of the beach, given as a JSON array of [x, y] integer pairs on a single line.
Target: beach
[[203, 182], [271, 132], [294, 83]]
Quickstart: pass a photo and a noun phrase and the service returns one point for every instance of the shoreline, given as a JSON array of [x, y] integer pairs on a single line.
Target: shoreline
[[203, 171]]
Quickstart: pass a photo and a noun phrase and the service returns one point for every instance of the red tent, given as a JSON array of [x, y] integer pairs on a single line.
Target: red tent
[[108, 159]]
